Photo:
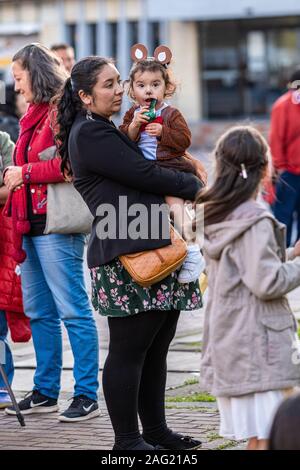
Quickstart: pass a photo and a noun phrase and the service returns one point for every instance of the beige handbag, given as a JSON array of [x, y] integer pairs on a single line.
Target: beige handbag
[[149, 267], [66, 210]]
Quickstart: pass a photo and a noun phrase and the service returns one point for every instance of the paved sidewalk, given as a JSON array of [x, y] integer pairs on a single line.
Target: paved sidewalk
[[46, 432], [197, 418]]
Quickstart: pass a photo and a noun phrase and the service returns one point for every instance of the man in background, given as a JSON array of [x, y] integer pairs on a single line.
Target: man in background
[[66, 54]]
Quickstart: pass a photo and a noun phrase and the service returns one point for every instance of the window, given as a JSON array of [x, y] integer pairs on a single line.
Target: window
[[112, 43], [155, 36], [92, 32], [221, 74], [133, 32], [71, 35], [246, 64]]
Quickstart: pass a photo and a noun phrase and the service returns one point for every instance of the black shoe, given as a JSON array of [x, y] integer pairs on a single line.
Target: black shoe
[[176, 441], [34, 402], [140, 444], [81, 409]]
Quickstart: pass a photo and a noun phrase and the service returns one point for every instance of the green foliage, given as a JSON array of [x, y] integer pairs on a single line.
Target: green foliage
[[226, 445], [194, 397]]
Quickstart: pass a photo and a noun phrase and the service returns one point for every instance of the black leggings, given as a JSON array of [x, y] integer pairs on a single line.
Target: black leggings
[[135, 371]]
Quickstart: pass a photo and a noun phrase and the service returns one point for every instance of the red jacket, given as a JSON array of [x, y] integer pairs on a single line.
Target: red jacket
[[35, 136], [285, 133], [10, 285]]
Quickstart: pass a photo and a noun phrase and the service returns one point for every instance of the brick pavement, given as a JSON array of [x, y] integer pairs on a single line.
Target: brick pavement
[[45, 432]]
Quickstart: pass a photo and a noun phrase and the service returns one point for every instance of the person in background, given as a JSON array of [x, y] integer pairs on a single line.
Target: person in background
[[9, 114], [66, 53], [285, 149]]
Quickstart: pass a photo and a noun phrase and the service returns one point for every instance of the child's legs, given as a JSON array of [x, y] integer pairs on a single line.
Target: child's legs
[[176, 206], [263, 444], [252, 444], [257, 444], [194, 263]]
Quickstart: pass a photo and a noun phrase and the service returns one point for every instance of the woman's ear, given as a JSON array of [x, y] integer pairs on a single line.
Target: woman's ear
[[86, 99], [139, 52], [163, 54]]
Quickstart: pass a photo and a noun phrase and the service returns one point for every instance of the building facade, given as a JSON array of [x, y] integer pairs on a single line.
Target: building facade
[[231, 59]]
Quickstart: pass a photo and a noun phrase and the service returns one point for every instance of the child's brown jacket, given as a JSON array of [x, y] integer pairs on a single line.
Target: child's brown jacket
[[174, 141]]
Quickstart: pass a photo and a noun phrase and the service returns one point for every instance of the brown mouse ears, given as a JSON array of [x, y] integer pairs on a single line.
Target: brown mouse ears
[[162, 54]]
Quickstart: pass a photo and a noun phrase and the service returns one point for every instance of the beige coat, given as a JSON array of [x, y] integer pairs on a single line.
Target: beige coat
[[249, 329]]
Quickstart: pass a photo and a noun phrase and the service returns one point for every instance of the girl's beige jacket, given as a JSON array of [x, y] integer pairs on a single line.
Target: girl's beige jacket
[[249, 342]]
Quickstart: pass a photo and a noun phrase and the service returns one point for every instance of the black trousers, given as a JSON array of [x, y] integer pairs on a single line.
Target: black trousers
[[135, 371]]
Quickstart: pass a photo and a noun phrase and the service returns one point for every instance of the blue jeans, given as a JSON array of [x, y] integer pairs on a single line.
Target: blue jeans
[[54, 290], [9, 365], [288, 202]]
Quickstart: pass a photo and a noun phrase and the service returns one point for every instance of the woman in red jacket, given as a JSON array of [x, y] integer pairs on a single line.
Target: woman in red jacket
[[52, 265]]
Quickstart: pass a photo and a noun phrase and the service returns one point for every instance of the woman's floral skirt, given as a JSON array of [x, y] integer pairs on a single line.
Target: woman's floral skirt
[[116, 294]]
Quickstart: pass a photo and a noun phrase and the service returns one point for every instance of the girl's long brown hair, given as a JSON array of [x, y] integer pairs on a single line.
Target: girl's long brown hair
[[242, 145]]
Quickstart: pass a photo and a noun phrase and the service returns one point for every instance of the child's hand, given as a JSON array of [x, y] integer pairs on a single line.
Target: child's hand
[[154, 129], [140, 117], [297, 249]]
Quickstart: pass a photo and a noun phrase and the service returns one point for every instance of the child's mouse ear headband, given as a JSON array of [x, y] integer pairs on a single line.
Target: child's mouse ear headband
[[162, 54]]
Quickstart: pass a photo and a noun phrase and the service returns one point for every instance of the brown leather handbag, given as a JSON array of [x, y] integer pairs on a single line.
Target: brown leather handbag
[[151, 266]]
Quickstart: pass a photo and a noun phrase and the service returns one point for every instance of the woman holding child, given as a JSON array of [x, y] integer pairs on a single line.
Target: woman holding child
[[106, 164]]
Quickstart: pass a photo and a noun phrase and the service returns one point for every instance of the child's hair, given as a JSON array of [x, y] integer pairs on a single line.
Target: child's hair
[[242, 157], [151, 65], [284, 433]]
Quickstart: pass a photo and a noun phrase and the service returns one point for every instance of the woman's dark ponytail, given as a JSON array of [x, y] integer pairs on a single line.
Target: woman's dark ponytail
[[84, 76], [67, 108]]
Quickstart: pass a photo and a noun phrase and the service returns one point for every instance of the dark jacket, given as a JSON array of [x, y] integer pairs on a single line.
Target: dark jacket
[[106, 165]]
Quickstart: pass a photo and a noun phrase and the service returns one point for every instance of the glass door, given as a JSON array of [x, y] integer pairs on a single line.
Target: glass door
[[246, 65]]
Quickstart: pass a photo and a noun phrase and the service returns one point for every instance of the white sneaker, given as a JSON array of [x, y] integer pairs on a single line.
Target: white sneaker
[[193, 266]]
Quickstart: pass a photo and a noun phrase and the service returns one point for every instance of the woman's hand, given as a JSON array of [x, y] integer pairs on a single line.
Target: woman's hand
[[199, 167], [13, 177]]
